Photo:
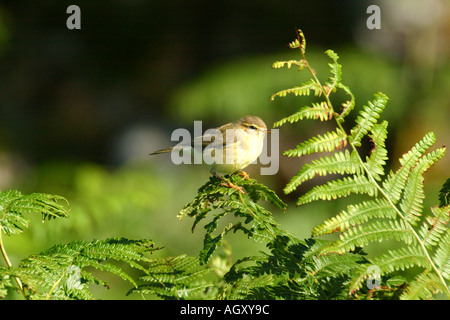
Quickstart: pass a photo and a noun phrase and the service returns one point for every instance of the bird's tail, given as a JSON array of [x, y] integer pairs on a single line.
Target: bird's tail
[[161, 151]]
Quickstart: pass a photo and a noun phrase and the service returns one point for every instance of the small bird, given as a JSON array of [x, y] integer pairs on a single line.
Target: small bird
[[235, 145]]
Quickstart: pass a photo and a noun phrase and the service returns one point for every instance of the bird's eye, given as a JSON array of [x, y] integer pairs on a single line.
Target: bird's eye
[[252, 127]]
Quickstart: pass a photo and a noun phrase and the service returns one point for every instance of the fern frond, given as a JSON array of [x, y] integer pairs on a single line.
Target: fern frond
[[348, 105], [328, 142], [362, 235], [390, 262], [425, 286], [319, 111], [442, 255], [339, 188], [435, 226], [180, 277], [303, 90], [210, 242], [401, 259], [368, 117], [297, 270], [356, 214], [444, 194], [335, 69], [412, 203], [395, 182], [253, 219], [378, 156], [52, 268], [300, 42], [14, 205], [396, 205], [281, 64], [340, 163]]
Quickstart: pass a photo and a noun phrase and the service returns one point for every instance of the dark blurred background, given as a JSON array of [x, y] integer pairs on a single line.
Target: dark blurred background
[[80, 110]]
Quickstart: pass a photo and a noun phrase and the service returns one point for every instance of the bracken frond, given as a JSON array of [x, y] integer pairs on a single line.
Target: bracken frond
[[368, 117], [340, 163], [395, 182], [412, 202], [362, 235], [302, 90], [356, 214], [319, 111], [339, 188], [327, 142]]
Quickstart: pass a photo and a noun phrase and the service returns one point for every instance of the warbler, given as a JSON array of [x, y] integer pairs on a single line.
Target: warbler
[[230, 148]]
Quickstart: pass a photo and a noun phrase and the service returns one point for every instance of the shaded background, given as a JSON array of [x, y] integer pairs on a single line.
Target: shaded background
[[80, 110]]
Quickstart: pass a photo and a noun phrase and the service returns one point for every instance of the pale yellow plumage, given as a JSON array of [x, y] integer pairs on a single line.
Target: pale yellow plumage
[[240, 144]]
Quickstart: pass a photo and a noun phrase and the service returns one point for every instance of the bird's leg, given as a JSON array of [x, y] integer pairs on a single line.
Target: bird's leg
[[229, 184], [244, 175]]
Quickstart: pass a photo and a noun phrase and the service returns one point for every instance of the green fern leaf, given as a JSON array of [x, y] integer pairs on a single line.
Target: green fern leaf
[[300, 42], [328, 142], [412, 203], [442, 255], [378, 156], [435, 226], [257, 222], [401, 259], [395, 183], [51, 269], [317, 111], [444, 194], [180, 277], [280, 64], [339, 188], [387, 263], [348, 105], [356, 214], [368, 117], [303, 90], [210, 243], [361, 235], [396, 205], [335, 69], [341, 163], [14, 205], [425, 286]]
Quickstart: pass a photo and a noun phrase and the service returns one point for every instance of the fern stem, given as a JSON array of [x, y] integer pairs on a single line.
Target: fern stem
[[372, 179], [9, 264]]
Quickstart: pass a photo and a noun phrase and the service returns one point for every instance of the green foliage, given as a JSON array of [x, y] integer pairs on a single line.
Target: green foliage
[[14, 205], [444, 194], [253, 220], [390, 208], [293, 270], [395, 206], [64, 271], [180, 277]]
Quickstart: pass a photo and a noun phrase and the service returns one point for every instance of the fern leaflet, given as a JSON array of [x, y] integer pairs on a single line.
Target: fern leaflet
[[368, 117], [327, 142]]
